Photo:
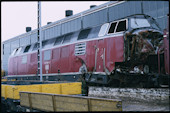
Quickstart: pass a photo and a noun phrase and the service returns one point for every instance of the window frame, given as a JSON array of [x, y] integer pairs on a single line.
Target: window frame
[[44, 55], [18, 50], [89, 30], [28, 49], [57, 38], [116, 26], [107, 27]]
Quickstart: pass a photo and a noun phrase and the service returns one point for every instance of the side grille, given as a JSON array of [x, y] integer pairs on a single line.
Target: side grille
[[80, 49]]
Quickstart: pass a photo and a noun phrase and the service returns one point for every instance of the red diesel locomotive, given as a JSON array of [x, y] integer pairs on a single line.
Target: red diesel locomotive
[[126, 52]]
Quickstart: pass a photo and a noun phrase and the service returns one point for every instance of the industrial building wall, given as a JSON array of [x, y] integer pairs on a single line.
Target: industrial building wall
[[156, 9]]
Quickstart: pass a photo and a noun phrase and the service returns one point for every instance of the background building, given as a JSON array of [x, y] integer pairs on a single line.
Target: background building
[[92, 17]]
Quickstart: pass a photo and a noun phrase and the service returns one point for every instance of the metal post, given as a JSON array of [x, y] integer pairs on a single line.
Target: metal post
[[39, 41]]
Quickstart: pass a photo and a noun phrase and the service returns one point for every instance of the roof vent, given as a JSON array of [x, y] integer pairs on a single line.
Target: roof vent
[[92, 6], [28, 29], [69, 13], [49, 22]]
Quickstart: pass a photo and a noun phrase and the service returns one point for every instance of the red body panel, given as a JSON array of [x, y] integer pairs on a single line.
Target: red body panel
[[63, 58], [55, 62], [22, 68], [32, 65]]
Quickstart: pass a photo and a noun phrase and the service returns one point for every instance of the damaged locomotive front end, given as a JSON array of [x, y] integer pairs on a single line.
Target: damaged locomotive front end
[[144, 52]]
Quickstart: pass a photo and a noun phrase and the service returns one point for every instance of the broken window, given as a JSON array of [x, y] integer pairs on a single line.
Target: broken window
[[138, 23]]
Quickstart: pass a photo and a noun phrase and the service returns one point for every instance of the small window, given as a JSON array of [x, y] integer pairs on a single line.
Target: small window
[[17, 51], [103, 29], [47, 55], [24, 59], [44, 43], [67, 38], [94, 32], [48, 43], [121, 26], [112, 27], [84, 34], [27, 48], [35, 47], [59, 40]]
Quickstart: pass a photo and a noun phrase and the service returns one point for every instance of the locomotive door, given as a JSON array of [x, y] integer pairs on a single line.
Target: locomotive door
[[46, 66], [100, 57]]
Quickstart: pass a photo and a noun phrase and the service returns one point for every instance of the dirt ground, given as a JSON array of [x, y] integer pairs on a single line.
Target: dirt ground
[[144, 106]]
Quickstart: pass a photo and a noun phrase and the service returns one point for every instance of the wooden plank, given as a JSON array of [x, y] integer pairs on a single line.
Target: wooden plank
[[42, 102], [103, 103], [72, 106], [54, 103], [41, 97], [71, 99], [24, 99], [89, 104], [44, 108], [30, 102]]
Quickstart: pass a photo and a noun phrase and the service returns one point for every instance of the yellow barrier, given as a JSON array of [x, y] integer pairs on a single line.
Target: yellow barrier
[[3, 79], [55, 102], [12, 91]]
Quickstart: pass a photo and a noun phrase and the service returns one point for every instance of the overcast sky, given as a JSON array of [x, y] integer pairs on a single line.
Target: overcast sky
[[16, 16]]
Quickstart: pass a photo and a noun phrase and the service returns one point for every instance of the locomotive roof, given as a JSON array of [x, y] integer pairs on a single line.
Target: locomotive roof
[[72, 17]]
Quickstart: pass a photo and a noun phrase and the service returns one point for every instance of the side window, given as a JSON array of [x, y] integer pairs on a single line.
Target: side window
[[48, 43], [47, 55], [121, 26], [103, 29], [24, 59], [27, 48], [67, 38], [59, 40], [84, 34], [94, 32], [18, 51], [35, 47], [112, 27], [44, 43]]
